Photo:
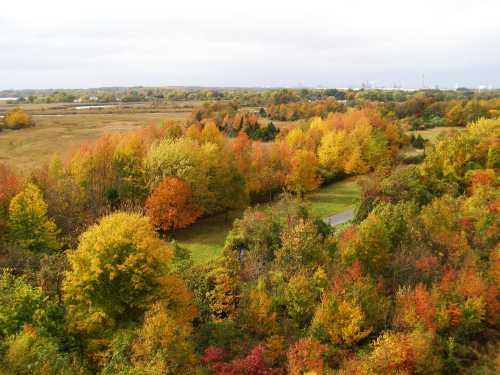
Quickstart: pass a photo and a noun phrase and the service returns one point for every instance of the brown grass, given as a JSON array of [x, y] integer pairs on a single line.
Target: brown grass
[[28, 148]]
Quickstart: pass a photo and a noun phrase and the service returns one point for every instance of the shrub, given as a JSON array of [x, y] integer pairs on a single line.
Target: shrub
[[18, 118]]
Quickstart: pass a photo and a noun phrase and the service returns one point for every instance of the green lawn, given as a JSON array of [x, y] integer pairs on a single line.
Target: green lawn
[[334, 198], [205, 239]]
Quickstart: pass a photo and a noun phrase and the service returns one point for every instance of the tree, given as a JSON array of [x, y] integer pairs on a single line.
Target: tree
[[171, 206], [162, 345], [18, 303], [301, 295], [303, 177], [412, 353], [118, 270], [255, 311], [254, 363], [17, 118], [306, 357], [223, 297], [333, 150], [302, 247], [9, 186], [29, 226], [29, 353], [340, 322], [456, 115]]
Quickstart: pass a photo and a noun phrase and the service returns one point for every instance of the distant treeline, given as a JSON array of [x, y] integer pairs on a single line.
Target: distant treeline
[[245, 96]]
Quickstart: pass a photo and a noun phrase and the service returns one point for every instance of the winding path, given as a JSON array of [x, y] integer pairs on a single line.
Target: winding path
[[340, 218]]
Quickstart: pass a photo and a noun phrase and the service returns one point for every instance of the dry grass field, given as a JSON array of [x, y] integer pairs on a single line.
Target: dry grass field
[[59, 134]]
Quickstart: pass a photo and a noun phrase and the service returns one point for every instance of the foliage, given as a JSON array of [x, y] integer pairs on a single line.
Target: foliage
[[19, 303], [170, 205], [162, 345], [9, 186], [29, 226], [306, 357], [31, 354], [119, 268]]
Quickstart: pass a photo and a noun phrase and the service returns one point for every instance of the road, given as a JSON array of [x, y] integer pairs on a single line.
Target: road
[[340, 218]]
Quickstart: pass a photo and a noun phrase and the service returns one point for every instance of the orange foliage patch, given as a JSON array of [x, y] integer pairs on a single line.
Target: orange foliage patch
[[170, 205]]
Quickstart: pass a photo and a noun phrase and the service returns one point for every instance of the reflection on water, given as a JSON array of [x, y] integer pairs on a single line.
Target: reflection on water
[[95, 106]]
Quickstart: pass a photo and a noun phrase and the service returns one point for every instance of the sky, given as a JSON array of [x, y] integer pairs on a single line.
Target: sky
[[271, 43]]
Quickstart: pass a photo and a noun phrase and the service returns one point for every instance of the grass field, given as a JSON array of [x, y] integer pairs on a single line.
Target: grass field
[[27, 148], [334, 198], [432, 134], [205, 239]]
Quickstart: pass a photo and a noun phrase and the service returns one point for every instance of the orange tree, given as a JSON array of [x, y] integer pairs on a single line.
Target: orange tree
[[170, 205]]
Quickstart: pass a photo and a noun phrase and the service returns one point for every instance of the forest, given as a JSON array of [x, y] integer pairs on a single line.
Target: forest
[[92, 280]]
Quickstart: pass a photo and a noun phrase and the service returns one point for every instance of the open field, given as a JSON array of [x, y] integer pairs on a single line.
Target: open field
[[205, 239], [27, 148]]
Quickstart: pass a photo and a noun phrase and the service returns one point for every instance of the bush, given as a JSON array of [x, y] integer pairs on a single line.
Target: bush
[[17, 118]]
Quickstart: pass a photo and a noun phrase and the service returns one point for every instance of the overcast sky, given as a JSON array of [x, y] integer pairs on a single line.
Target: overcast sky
[[72, 44]]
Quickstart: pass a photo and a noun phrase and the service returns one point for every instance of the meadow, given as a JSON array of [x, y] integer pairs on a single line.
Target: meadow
[[59, 134]]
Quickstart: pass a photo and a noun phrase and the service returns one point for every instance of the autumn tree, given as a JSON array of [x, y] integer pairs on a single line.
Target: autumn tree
[[162, 345], [34, 354], [255, 362], [224, 296], [303, 176], [29, 226], [19, 301], [301, 295], [400, 353], [256, 311], [306, 356], [302, 247], [340, 321], [171, 206], [9, 186], [118, 270]]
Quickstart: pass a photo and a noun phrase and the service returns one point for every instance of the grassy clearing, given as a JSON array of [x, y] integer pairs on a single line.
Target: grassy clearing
[[205, 239], [334, 198], [28, 148], [432, 134]]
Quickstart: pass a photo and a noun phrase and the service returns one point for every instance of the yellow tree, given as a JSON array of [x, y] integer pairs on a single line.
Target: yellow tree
[[303, 176], [162, 345], [29, 226], [118, 270], [333, 150]]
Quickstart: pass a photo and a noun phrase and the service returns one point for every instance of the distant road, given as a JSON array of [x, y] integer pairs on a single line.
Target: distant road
[[340, 218]]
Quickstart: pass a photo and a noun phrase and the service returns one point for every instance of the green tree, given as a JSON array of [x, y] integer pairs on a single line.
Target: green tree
[[29, 226], [18, 303]]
